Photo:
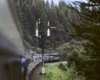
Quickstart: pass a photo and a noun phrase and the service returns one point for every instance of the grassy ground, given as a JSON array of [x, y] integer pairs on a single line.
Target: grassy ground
[[54, 73]]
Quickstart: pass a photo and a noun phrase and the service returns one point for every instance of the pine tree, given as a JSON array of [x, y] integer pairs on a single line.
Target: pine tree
[[90, 29]]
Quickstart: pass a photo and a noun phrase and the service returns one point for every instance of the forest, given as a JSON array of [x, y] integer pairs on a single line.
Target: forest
[[77, 27], [59, 16]]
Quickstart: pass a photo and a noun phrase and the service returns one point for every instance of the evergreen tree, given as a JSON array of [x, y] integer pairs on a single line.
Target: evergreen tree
[[59, 16], [90, 30]]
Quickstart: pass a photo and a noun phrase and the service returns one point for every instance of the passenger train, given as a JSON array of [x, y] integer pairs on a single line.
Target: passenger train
[[34, 59], [13, 60]]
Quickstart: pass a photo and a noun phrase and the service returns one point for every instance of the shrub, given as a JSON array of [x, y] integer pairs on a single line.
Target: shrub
[[63, 67]]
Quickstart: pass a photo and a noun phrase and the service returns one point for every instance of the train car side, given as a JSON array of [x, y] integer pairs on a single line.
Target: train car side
[[34, 60], [12, 51]]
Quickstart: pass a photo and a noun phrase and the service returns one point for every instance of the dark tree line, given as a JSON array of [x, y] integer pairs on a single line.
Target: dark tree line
[[59, 16], [89, 29]]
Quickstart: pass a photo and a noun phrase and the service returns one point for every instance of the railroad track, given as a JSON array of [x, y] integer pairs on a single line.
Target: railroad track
[[35, 73]]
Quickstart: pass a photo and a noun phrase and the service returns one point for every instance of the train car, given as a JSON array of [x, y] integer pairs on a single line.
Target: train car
[[53, 57], [34, 60], [46, 57], [12, 51]]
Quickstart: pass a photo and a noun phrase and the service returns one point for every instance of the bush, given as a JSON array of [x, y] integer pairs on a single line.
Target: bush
[[72, 74], [63, 67]]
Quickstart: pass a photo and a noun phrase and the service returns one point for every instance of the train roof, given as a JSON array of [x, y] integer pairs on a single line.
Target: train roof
[[46, 54], [10, 27], [31, 52], [53, 53]]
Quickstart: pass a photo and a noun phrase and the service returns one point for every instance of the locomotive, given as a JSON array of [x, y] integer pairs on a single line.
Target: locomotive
[[51, 57]]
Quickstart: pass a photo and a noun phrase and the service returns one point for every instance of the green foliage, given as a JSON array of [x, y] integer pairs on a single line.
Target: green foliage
[[90, 29], [81, 48], [72, 74], [59, 16], [77, 52], [63, 67], [55, 73]]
